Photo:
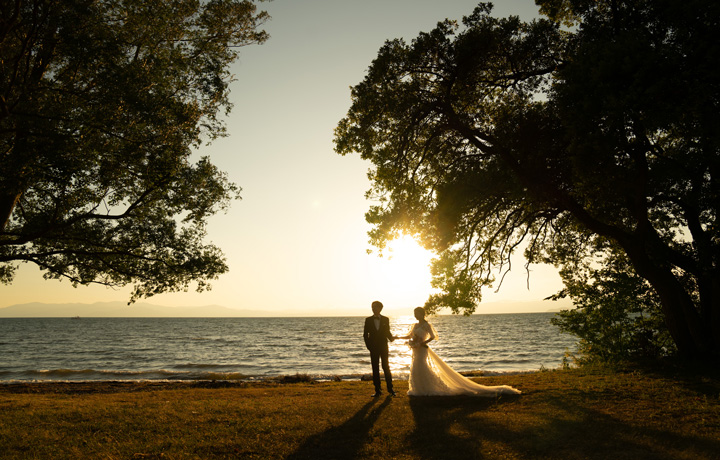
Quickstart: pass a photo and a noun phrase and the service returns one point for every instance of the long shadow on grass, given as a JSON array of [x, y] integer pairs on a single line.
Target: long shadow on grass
[[555, 426], [437, 419], [343, 441], [574, 429]]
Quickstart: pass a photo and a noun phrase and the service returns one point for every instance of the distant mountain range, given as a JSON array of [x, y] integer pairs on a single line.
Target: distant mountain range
[[146, 310]]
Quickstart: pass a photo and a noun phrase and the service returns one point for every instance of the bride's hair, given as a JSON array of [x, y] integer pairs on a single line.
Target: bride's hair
[[419, 311]]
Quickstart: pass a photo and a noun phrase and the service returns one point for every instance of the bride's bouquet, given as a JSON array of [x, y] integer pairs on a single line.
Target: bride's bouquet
[[415, 342]]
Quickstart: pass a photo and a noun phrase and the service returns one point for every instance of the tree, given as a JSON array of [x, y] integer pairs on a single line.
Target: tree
[[617, 315], [568, 141], [101, 105]]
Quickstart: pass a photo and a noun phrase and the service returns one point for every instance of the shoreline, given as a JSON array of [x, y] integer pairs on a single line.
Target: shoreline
[[249, 380], [119, 385]]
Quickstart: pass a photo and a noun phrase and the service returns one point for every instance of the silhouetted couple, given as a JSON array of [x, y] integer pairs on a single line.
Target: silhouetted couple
[[429, 375]]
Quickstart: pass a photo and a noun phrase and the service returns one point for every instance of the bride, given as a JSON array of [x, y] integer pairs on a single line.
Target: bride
[[430, 376]]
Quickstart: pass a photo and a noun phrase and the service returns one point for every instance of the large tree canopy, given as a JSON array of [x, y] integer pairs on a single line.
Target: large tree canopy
[[101, 105], [578, 143]]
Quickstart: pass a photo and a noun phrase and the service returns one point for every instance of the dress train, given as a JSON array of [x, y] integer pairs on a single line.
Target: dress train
[[431, 376]]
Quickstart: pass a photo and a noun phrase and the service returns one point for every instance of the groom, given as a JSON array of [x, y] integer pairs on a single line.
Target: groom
[[376, 335]]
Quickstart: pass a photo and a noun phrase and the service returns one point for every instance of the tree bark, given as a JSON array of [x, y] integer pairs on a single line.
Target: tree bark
[[693, 337], [713, 314], [7, 205]]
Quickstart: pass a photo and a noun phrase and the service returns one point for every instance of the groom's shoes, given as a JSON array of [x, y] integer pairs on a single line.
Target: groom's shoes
[[377, 394]]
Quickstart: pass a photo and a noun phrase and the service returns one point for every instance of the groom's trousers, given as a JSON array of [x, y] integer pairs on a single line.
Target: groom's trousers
[[375, 357]]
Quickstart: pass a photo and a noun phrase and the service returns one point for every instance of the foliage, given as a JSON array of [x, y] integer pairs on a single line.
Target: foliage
[[102, 105], [503, 134], [617, 315]]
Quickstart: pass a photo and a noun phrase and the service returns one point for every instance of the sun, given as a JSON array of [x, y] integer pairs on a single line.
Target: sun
[[407, 253], [405, 270]]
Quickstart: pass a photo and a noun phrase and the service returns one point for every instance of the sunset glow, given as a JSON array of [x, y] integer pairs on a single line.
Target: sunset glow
[[409, 262], [402, 275], [296, 243]]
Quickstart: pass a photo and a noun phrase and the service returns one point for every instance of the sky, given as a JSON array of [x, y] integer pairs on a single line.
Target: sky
[[297, 241]]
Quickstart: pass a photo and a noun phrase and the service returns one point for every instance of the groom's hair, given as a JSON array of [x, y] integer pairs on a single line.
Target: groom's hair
[[377, 304]]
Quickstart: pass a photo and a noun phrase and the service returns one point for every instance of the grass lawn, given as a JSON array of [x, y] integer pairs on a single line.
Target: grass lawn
[[568, 414]]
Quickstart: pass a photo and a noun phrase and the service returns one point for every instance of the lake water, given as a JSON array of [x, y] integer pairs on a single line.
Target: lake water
[[254, 348]]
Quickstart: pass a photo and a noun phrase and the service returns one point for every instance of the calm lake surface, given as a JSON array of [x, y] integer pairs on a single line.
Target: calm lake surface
[[255, 348]]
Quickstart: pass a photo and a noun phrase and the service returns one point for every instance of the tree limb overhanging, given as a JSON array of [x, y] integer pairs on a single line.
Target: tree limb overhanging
[[596, 142], [101, 106]]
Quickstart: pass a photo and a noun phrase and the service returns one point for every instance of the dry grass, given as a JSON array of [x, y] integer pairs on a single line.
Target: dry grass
[[575, 414]]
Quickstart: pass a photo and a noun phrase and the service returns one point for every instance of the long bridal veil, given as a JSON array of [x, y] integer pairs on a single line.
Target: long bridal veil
[[431, 376]]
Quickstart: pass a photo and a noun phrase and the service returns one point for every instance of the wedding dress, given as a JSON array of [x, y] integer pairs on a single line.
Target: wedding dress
[[431, 376]]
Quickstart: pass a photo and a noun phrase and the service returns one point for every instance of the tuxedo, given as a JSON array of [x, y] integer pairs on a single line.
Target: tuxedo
[[376, 336]]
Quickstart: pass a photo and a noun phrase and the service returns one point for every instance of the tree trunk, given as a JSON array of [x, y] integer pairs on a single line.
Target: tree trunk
[[714, 315], [7, 205], [693, 337]]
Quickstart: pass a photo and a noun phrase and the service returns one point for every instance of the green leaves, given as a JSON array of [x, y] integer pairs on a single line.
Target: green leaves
[[617, 316], [103, 104], [427, 116], [501, 135]]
